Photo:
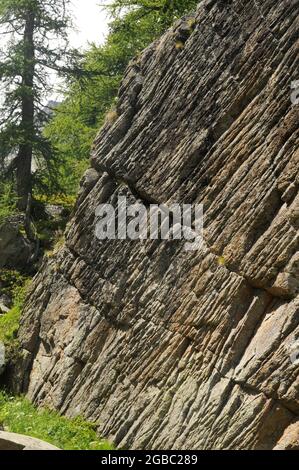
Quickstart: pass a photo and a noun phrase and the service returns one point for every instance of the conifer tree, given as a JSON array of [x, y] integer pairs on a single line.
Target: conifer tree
[[33, 46]]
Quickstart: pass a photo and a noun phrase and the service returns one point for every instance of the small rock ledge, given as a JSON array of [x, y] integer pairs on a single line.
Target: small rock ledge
[[12, 441]]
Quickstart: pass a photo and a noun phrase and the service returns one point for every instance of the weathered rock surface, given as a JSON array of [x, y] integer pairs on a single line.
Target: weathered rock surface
[[168, 348], [12, 441], [5, 302], [15, 248]]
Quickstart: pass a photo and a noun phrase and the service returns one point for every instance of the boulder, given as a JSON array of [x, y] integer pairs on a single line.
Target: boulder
[[5, 303], [12, 441], [55, 212], [3, 308], [15, 248]]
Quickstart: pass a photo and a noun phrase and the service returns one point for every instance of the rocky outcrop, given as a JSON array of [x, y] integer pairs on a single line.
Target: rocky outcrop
[[167, 348], [12, 441], [15, 248]]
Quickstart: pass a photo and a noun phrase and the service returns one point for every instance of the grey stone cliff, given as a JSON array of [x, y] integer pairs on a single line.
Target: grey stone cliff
[[169, 349]]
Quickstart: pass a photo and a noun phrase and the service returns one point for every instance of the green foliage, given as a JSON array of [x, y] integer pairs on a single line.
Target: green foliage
[[62, 149], [221, 260], [72, 140], [163, 12], [9, 325], [11, 281], [35, 43], [51, 237], [16, 285], [50, 229], [20, 416], [65, 200], [88, 103], [8, 200]]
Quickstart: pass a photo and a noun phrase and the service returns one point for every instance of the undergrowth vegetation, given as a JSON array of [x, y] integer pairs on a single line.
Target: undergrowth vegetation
[[92, 101], [8, 200], [15, 284], [18, 415]]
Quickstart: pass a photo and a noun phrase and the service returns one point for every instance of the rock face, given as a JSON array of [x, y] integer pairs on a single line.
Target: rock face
[[167, 348]]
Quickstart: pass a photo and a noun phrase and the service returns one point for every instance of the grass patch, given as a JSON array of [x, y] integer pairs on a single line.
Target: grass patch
[[11, 281], [9, 322], [20, 416]]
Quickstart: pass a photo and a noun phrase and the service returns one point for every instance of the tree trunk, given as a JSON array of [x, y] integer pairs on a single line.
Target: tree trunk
[[24, 158]]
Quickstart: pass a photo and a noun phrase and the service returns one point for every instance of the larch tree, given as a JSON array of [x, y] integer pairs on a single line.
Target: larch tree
[[33, 46], [134, 25]]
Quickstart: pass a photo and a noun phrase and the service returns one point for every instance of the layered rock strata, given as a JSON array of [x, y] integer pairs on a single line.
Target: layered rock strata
[[165, 348]]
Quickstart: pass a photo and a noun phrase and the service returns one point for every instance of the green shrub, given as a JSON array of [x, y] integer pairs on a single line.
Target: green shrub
[[8, 200], [11, 281], [16, 285], [20, 416], [9, 325], [65, 200]]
